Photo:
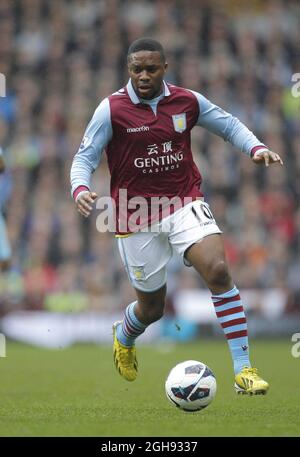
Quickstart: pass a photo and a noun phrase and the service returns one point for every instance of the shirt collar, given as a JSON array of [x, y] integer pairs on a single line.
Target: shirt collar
[[135, 99]]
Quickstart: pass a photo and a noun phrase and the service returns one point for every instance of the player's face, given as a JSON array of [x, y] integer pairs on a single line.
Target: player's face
[[146, 70]]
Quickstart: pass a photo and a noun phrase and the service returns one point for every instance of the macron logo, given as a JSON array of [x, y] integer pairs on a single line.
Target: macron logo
[[144, 128]]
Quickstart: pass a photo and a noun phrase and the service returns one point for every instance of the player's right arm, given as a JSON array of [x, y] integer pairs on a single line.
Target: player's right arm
[[96, 136]]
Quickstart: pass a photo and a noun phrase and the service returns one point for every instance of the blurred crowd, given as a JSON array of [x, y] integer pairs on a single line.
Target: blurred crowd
[[61, 57]]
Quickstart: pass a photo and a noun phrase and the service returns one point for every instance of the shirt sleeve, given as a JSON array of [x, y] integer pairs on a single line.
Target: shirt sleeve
[[96, 137], [228, 127]]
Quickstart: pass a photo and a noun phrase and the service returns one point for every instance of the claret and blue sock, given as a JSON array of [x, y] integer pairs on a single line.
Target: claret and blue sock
[[131, 327], [231, 316]]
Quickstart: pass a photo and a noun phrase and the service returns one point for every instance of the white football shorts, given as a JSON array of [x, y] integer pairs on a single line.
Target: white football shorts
[[145, 254]]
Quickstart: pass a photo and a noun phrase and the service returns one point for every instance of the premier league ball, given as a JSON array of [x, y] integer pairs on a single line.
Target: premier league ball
[[191, 385]]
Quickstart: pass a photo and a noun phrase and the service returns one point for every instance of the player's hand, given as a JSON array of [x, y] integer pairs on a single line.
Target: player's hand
[[84, 202], [266, 157]]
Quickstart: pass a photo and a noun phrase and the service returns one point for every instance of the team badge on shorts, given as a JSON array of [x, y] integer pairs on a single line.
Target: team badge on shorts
[[179, 122], [139, 273]]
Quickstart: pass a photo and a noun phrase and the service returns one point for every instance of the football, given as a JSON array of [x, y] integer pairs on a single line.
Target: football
[[191, 385]]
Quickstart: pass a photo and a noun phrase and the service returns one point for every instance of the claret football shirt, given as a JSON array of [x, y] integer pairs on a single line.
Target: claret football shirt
[[148, 147]]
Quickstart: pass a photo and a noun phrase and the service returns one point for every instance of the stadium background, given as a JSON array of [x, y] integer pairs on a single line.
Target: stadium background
[[60, 58]]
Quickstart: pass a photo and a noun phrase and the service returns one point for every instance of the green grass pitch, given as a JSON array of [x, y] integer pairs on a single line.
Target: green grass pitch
[[77, 392]]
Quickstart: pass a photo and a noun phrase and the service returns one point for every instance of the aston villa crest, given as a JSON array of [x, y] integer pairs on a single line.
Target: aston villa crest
[[179, 122]]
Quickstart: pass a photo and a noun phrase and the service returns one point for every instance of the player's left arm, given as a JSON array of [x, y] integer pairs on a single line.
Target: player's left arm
[[231, 129]]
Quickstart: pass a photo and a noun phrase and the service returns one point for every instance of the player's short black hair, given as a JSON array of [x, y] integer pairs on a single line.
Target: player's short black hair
[[146, 44]]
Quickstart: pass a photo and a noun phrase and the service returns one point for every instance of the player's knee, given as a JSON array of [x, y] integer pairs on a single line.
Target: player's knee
[[219, 275]]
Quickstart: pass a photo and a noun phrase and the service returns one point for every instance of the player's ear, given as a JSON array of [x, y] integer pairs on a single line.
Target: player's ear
[[166, 66]]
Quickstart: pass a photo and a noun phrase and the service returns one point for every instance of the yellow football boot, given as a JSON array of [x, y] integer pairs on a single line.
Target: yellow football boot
[[124, 357], [248, 382]]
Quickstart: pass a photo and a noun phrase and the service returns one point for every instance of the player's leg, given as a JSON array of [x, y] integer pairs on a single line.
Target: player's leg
[[208, 258], [144, 256], [148, 308], [196, 237]]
